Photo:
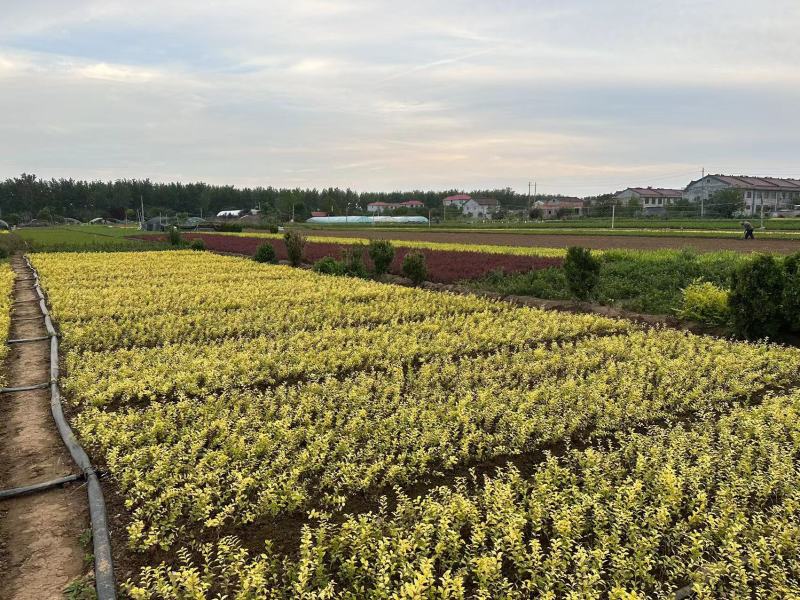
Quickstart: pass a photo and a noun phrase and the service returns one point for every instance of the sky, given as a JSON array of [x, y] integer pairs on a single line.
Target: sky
[[581, 96]]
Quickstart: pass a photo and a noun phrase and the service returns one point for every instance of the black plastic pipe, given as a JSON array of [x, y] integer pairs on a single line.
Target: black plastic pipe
[[39, 487]]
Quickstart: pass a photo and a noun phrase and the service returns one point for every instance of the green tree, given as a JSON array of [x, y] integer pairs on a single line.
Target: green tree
[[725, 204], [582, 271], [756, 295]]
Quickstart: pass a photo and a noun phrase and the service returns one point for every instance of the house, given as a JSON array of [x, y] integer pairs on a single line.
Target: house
[[560, 207], [457, 200], [772, 193], [654, 201], [477, 208], [413, 204], [382, 207], [378, 207]]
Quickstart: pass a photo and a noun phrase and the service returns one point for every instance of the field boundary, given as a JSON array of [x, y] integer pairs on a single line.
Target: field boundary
[[103, 566]]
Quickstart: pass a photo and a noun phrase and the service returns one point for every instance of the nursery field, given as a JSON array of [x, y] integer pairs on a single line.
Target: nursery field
[[269, 432], [78, 238], [446, 263]]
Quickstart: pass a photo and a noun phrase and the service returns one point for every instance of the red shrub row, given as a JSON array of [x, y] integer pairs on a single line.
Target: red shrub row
[[443, 266]]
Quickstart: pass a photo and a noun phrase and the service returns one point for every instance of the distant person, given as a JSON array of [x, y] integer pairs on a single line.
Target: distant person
[[748, 230]]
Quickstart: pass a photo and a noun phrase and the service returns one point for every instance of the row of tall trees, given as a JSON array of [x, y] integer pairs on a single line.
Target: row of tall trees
[[26, 197]]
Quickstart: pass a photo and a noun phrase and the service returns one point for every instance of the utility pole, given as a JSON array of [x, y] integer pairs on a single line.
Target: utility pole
[[613, 214], [430, 213], [141, 202], [529, 201]]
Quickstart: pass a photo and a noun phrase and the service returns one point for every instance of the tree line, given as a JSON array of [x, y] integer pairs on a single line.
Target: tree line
[[27, 197]]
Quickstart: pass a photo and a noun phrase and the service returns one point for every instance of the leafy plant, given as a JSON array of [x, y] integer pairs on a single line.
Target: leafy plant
[[791, 292], [197, 244], [353, 260], [265, 253], [80, 588], [757, 287], [228, 227], [582, 271], [295, 244], [330, 266], [174, 236], [415, 267], [704, 302], [382, 254]]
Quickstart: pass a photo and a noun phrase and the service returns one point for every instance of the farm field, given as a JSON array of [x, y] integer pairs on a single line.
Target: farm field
[[6, 286], [101, 238], [446, 263], [270, 432], [598, 240], [648, 281], [622, 226]]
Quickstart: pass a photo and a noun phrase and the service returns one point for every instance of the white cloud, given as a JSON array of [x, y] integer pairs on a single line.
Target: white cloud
[[119, 73], [376, 94]]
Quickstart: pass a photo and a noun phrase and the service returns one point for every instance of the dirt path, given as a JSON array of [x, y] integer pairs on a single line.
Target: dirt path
[[600, 242], [40, 552]]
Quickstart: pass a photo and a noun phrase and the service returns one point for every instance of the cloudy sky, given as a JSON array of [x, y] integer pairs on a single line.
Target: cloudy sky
[[584, 96]]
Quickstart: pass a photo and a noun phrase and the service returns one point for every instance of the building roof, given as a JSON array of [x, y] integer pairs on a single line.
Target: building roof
[[651, 192], [229, 213], [378, 204], [458, 198], [487, 201], [412, 203], [758, 183], [569, 201], [318, 213]]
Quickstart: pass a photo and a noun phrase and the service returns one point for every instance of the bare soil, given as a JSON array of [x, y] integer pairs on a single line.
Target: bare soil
[[599, 242], [40, 552]]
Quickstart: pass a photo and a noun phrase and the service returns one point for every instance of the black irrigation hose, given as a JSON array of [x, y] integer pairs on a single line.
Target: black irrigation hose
[[39, 487], [25, 388], [103, 566], [25, 340]]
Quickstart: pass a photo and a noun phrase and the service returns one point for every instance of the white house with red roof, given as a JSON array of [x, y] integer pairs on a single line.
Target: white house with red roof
[[772, 193]]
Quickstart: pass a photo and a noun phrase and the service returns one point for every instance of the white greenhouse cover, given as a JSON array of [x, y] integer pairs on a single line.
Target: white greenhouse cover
[[357, 220]]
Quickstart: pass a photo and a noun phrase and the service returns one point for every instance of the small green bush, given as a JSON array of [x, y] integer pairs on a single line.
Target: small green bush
[[382, 254], [755, 299], [265, 253], [704, 302], [791, 292], [582, 271], [234, 227], [198, 244], [273, 229], [415, 267], [353, 260], [295, 244], [174, 236], [330, 266]]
